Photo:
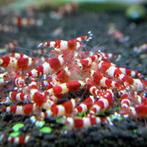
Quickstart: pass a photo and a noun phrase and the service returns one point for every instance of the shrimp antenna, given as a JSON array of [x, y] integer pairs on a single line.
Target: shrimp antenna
[[90, 36], [24, 50]]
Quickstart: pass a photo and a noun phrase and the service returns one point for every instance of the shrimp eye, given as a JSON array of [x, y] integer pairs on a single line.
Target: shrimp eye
[[80, 66], [76, 61], [62, 56], [5, 77], [13, 61]]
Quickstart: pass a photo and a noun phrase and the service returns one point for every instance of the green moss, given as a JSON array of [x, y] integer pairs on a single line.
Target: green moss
[[17, 127], [46, 130]]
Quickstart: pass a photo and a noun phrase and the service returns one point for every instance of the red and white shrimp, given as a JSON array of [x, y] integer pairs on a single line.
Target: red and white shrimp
[[37, 97], [40, 85], [103, 103], [85, 105], [60, 45], [115, 72], [101, 80], [64, 75], [61, 109], [20, 63], [26, 22], [22, 139], [50, 66], [18, 96], [84, 122], [65, 87], [26, 109], [125, 104]]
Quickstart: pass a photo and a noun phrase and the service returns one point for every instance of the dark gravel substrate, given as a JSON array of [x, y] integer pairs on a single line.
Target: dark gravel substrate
[[123, 133]]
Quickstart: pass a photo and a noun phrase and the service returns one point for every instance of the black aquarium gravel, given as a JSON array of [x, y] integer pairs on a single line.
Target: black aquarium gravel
[[127, 132]]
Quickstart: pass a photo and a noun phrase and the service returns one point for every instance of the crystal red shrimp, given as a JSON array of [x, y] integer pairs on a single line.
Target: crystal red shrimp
[[84, 122], [98, 92], [24, 63], [34, 96], [125, 103], [106, 56], [59, 45], [7, 61], [105, 65], [139, 110], [18, 96], [115, 72], [50, 66], [25, 109], [90, 62], [102, 55], [129, 72], [85, 105], [25, 22], [37, 97], [101, 80], [61, 109], [103, 103], [15, 63], [23, 139], [44, 83], [94, 90], [126, 71], [65, 87], [87, 62], [64, 75]]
